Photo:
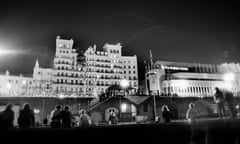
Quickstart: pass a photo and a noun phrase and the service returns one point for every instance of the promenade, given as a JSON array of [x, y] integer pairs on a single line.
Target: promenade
[[205, 131]]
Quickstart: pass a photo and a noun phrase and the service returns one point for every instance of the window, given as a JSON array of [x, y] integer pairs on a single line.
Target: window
[[145, 108]]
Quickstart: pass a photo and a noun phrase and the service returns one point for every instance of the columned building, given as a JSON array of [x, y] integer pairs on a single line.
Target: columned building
[[109, 67], [42, 81], [13, 85], [72, 74], [68, 77], [191, 79]]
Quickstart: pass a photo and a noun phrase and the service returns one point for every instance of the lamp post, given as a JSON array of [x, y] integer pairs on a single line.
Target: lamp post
[[124, 83]]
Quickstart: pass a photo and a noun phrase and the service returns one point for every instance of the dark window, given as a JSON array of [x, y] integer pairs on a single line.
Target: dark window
[[145, 108]]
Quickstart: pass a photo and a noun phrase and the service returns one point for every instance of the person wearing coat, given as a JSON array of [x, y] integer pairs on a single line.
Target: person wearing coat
[[26, 117], [7, 117], [192, 113], [166, 114]]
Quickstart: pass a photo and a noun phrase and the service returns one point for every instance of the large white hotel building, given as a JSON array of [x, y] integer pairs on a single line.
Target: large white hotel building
[[89, 74], [192, 79]]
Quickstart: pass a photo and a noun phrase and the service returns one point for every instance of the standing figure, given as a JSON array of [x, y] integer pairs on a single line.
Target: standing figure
[[26, 117], [112, 118], [56, 117], [192, 113], [84, 119], [66, 117], [45, 122], [7, 117], [219, 100], [229, 98], [166, 114]]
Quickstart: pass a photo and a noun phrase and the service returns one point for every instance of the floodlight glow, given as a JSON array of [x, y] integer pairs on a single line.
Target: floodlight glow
[[4, 51], [61, 96], [124, 107], [229, 77], [124, 83], [24, 82], [237, 106], [36, 111], [8, 85], [228, 86]]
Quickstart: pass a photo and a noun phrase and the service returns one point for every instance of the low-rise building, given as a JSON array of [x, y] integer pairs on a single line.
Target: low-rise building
[[189, 79]]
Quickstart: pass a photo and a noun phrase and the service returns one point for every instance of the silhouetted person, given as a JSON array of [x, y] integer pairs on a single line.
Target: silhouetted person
[[192, 113], [66, 117], [56, 117], [26, 117], [7, 117], [45, 122], [229, 98], [219, 100], [84, 119], [112, 118], [166, 114]]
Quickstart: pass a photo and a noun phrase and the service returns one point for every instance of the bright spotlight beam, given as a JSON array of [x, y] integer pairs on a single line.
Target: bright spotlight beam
[[5, 52]]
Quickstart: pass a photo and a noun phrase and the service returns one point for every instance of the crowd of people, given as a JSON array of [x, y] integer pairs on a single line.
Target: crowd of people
[[61, 116]]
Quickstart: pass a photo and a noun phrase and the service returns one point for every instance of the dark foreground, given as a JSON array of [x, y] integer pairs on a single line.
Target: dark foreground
[[204, 132]]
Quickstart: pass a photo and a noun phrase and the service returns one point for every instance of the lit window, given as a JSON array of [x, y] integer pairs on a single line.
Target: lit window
[[124, 107]]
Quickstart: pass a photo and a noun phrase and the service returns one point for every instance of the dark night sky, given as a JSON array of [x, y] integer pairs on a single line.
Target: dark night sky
[[176, 31]]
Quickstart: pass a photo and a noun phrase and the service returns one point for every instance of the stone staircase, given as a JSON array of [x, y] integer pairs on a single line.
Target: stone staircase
[[97, 104]]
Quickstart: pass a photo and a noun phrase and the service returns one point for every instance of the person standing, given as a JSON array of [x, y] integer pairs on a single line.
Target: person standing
[[26, 117], [7, 117], [229, 98], [56, 117], [166, 114], [66, 117], [219, 100], [192, 113], [84, 119], [112, 118]]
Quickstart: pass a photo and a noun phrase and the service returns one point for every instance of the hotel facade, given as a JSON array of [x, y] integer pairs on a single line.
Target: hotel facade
[[192, 79], [74, 74]]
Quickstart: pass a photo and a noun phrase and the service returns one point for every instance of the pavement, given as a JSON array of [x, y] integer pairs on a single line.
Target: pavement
[[204, 131]]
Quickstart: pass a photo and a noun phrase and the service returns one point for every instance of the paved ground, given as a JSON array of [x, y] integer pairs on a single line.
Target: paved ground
[[204, 131]]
